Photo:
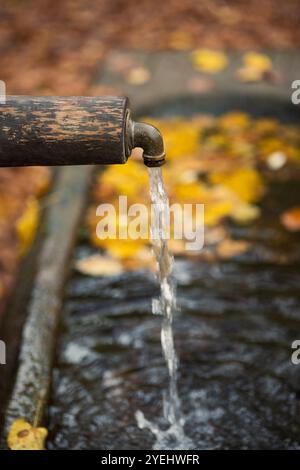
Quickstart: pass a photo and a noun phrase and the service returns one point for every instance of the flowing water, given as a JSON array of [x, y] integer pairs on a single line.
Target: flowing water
[[173, 436]]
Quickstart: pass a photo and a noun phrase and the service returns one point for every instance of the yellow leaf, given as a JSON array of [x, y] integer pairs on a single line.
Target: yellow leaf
[[244, 213], [213, 212], [257, 61], [191, 192], [130, 179], [235, 121], [97, 265], [270, 145], [208, 60], [123, 249], [250, 74], [23, 436], [229, 248], [27, 224], [266, 126], [246, 183], [255, 67], [181, 139]]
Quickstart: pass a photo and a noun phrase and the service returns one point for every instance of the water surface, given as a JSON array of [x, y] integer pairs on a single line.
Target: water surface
[[233, 332]]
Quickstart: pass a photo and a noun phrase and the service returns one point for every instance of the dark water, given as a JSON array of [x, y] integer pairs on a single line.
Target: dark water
[[233, 335]]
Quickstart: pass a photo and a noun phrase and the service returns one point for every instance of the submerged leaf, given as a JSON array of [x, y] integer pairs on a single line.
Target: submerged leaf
[[229, 248], [97, 265], [246, 183]]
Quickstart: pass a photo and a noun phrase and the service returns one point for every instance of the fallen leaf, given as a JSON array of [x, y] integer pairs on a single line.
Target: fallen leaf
[[246, 183], [250, 75], [27, 224], [138, 76], [23, 436], [244, 213], [123, 249], [257, 61], [291, 219], [235, 121], [181, 139], [98, 265], [256, 67], [208, 60], [229, 248], [215, 211]]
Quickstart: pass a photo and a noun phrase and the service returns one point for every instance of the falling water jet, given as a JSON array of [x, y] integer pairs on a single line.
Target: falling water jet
[[173, 437]]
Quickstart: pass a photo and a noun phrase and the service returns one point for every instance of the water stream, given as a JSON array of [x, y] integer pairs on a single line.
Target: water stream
[[173, 437]]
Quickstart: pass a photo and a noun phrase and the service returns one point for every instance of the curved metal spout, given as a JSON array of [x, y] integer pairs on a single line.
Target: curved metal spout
[[150, 140]]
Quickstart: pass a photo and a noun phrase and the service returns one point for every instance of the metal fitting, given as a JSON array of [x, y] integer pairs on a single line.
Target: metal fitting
[[148, 138]]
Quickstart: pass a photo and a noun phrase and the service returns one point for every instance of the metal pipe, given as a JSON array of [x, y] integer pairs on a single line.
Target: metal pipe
[[73, 131], [150, 140]]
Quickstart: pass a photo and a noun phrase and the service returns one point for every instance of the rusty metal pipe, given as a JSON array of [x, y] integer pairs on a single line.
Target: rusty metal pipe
[[150, 140], [73, 131]]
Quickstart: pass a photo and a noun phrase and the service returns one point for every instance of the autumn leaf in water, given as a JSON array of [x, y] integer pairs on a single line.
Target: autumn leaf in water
[[98, 265], [23, 436], [246, 183], [215, 211], [235, 121], [130, 179], [244, 213], [27, 224], [208, 60], [229, 248], [181, 139], [291, 219]]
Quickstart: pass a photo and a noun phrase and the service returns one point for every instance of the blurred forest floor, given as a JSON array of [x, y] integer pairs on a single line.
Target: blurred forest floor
[[50, 47], [53, 47]]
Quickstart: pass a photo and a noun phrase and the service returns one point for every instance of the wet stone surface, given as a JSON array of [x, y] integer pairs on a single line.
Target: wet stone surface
[[233, 333]]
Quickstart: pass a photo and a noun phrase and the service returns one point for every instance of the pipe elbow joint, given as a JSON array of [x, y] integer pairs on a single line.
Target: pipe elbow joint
[[148, 138]]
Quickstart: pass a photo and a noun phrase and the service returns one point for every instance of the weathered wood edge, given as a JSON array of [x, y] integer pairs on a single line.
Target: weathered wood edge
[[30, 392]]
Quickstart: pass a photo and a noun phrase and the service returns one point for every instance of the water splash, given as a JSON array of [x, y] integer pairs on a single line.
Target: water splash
[[173, 437]]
